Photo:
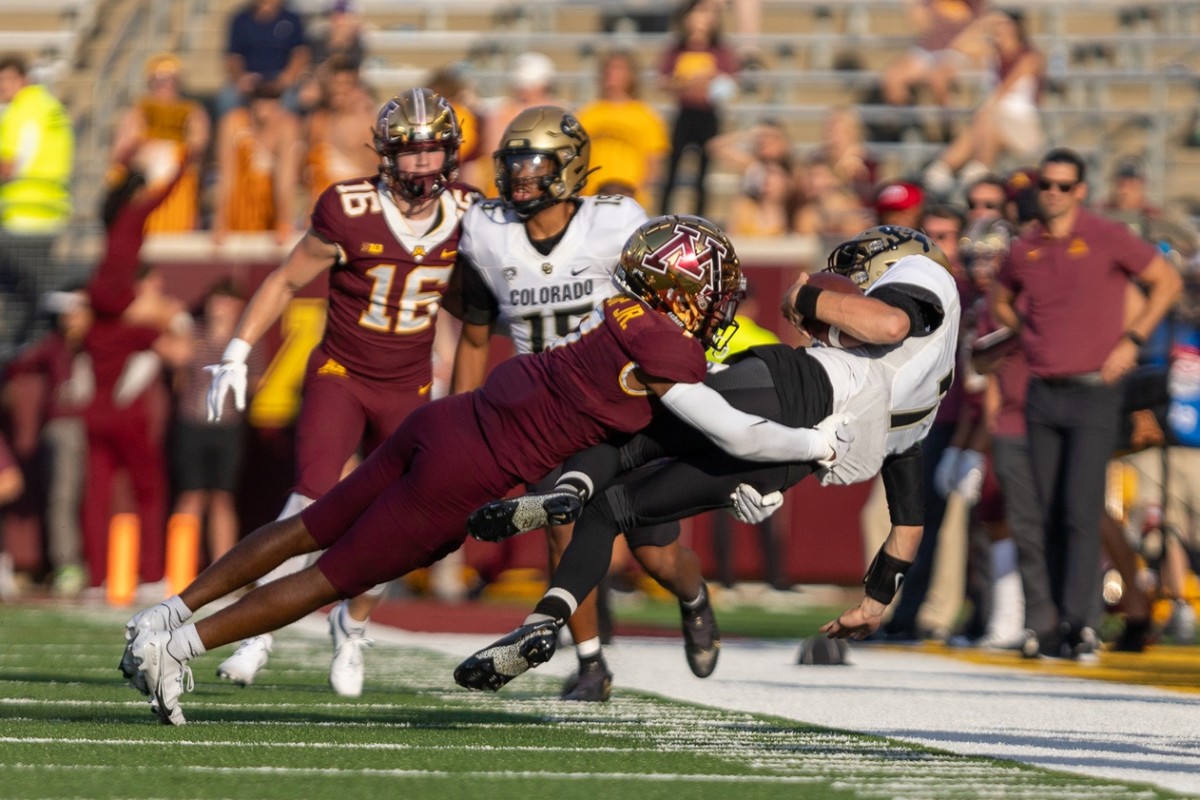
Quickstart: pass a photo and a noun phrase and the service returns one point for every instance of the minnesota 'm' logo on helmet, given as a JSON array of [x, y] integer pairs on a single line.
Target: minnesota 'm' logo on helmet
[[871, 253], [419, 120], [685, 267], [692, 252]]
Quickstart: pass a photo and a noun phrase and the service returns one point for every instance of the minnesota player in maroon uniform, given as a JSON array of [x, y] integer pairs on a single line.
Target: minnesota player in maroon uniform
[[406, 506], [389, 243]]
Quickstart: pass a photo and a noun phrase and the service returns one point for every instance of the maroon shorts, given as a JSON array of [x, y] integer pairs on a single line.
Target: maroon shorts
[[338, 412], [406, 506]]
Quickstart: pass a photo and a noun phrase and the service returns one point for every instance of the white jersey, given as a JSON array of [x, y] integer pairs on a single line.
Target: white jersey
[[543, 298], [893, 391]]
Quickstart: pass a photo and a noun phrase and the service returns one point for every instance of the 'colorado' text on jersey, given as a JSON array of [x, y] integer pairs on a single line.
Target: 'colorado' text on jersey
[[385, 290], [537, 298]]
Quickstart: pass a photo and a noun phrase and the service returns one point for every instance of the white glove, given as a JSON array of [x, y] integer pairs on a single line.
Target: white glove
[[945, 475], [969, 481], [838, 434], [229, 374], [751, 507], [140, 370]]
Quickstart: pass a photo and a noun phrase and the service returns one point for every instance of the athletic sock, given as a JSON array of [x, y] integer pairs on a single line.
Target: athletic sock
[[588, 649], [185, 644]]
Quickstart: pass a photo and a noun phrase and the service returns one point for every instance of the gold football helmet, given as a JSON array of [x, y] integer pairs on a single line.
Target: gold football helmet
[[419, 119], [985, 243], [685, 267], [871, 253], [547, 146]]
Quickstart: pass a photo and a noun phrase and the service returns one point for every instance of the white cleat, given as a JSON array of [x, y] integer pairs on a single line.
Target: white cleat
[[247, 660], [346, 671], [154, 618], [166, 676]]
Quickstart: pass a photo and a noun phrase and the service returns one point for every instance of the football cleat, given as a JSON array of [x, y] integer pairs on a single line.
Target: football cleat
[[346, 671], [503, 519], [701, 638], [247, 660], [166, 676], [592, 684], [506, 658]]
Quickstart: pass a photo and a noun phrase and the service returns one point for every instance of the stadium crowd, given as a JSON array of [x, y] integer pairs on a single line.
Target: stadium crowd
[[1080, 323]]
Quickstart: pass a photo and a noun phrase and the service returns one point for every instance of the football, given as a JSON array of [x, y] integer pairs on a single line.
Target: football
[[829, 282]]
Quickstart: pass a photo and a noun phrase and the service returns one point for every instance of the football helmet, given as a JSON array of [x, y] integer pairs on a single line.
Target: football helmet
[[984, 243], [685, 267], [871, 253], [419, 119], [546, 145]]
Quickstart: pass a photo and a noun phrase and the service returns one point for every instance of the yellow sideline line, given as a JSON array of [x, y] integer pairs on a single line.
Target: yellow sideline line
[[1163, 666]]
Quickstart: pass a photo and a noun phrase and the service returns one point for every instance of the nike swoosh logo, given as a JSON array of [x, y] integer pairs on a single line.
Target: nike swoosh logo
[[899, 580], [580, 270], [448, 253]]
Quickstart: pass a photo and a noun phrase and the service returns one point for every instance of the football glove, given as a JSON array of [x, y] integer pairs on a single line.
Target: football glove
[[748, 506], [229, 375], [969, 480], [838, 434]]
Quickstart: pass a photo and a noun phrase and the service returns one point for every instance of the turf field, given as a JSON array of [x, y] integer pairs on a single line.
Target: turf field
[[69, 728]]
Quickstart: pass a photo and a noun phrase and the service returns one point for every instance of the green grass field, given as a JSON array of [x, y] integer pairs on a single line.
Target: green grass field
[[70, 728]]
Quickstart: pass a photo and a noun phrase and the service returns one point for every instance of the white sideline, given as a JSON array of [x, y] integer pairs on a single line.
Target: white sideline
[[1093, 728]]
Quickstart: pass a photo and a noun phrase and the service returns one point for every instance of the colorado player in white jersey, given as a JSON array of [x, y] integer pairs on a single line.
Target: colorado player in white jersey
[[531, 265], [892, 362]]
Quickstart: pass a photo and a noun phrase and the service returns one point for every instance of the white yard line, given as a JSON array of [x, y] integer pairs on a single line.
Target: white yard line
[[1093, 728]]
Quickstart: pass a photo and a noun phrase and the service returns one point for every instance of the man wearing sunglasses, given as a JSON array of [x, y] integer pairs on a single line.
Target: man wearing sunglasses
[[1063, 288]]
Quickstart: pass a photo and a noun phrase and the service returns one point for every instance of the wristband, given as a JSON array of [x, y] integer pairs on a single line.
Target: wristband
[[806, 301], [884, 576], [236, 351], [1135, 337]]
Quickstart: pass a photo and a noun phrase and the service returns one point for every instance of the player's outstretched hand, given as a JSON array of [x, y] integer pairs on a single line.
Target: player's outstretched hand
[[226, 376], [857, 623], [747, 505]]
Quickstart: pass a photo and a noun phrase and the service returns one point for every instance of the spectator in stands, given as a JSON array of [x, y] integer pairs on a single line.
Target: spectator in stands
[[339, 131], [206, 457], [1063, 286], [629, 138], [339, 35], [36, 152], [1024, 207], [829, 207], [266, 46], [1127, 202], [259, 149], [12, 484], [986, 198], [698, 70], [949, 38], [161, 134], [767, 204], [843, 146], [135, 324], [745, 149], [1009, 121], [531, 83], [900, 203], [64, 383]]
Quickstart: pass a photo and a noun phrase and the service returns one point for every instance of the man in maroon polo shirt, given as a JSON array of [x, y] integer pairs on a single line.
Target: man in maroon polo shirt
[[1071, 271]]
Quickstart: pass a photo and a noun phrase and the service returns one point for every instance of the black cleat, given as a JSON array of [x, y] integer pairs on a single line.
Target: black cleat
[[592, 684], [506, 658], [503, 519], [701, 638]]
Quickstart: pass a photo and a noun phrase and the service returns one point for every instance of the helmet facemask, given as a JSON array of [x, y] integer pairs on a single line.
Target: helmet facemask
[[546, 143], [867, 256], [529, 172]]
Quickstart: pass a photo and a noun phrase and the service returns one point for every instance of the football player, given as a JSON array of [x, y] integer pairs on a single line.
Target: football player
[[389, 243], [891, 362], [404, 507], [533, 264]]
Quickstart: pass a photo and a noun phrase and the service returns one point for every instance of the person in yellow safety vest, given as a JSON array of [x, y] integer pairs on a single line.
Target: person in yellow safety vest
[[36, 151]]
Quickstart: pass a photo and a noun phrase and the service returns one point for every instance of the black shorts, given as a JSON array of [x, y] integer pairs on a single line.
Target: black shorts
[[205, 457]]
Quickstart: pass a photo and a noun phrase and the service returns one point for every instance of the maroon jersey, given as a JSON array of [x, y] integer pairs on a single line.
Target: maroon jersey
[[537, 410], [386, 288]]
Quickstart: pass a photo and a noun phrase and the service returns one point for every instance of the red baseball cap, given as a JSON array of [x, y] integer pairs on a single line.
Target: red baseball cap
[[898, 197]]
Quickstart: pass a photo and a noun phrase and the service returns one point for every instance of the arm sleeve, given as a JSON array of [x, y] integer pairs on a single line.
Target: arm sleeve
[[924, 310], [902, 487], [468, 297], [739, 434]]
